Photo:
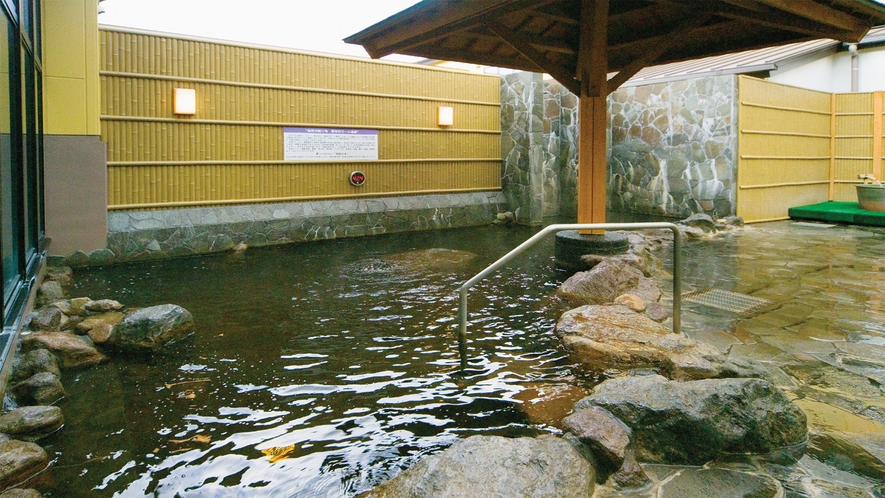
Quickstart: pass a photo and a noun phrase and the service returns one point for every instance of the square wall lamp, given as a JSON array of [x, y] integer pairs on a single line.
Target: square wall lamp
[[185, 101], [446, 116]]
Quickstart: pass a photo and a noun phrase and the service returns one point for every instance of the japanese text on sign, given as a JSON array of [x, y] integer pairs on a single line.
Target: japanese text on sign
[[329, 144]]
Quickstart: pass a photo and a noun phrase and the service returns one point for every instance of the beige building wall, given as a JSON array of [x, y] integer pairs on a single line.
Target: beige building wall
[[231, 150], [75, 157], [800, 147]]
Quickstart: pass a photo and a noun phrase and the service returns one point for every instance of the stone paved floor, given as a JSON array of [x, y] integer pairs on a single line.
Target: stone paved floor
[[822, 340]]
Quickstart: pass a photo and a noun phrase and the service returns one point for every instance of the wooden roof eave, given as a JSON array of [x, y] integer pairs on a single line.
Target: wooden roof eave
[[425, 29]]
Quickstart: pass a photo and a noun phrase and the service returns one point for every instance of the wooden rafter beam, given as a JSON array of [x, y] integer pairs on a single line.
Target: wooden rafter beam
[[767, 16], [483, 58], [708, 32], [555, 14], [523, 44], [823, 14], [649, 56], [540, 42]]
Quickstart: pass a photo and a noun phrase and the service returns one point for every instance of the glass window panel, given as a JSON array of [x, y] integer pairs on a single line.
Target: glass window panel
[[9, 178], [26, 18], [38, 33], [29, 144]]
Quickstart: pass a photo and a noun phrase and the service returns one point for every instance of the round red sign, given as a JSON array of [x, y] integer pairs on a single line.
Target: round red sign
[[357, 178]]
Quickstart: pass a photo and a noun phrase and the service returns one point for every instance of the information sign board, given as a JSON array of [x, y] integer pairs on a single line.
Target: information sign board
[[329, 144]]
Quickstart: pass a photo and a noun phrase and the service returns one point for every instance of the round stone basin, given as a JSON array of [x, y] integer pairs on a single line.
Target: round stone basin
[[871, 197]]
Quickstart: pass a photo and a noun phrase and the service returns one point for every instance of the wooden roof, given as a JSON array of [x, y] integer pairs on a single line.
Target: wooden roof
[[560, 37]]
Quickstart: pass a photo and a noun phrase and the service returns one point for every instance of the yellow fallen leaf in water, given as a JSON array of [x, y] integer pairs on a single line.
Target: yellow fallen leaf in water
[[200, 438], [278, 453], [170, 386], [187, 395]]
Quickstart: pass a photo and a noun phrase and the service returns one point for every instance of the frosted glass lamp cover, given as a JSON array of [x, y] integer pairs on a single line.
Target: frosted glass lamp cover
[[446, 116], [185, 101]]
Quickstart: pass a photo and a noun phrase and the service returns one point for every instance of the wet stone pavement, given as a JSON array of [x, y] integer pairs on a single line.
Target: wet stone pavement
[[822, 340]]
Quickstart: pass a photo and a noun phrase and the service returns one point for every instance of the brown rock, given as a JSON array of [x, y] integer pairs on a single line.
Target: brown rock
[[630, 475], [632, 301], [614, 336], [43, 389], [605, 436], [33, 362], [656, 312], [71, 350], [21, 493], [49, 318], [605, 282], [19, 461], [78, 305], [64, 306], [111, 318], [64, 275], [101, 333], [149, 329], [49, 292], [103, 305], [31, 423]]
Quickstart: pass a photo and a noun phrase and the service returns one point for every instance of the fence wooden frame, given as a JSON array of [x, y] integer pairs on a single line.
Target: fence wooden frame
[[231, 151], [852, 129]]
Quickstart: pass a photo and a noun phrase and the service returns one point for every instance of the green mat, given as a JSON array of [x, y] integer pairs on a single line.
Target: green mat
[[839, 212]]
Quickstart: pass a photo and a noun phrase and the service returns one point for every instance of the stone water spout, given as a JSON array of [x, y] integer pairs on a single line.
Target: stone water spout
[[869, 179]]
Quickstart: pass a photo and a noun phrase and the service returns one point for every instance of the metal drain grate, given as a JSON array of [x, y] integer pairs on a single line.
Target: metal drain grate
[[734, 302]]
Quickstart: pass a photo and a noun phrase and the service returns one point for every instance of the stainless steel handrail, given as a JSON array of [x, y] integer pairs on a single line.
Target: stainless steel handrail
[[677, 269]]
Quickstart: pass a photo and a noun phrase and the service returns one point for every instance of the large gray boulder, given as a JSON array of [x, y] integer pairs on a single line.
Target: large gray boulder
[[19, 461], [690, 423], [494, 466], [32, 423], [614, 336], [149, 329], [71, 350]]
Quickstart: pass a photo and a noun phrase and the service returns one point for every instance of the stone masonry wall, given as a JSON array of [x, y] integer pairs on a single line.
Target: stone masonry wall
[[524, 179], [539, 147], [142, 235], [672, 148]]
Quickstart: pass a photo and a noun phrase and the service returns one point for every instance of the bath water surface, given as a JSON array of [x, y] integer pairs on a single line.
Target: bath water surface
[[316, 369]]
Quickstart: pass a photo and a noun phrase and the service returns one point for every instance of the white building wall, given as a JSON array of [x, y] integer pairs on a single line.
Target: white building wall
[[833, 74]]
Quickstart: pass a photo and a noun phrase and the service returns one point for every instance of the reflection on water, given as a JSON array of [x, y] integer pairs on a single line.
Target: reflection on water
[[322, 369], [316, 370]]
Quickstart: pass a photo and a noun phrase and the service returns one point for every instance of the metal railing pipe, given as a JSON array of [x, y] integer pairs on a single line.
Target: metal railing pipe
[[677, 269]]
